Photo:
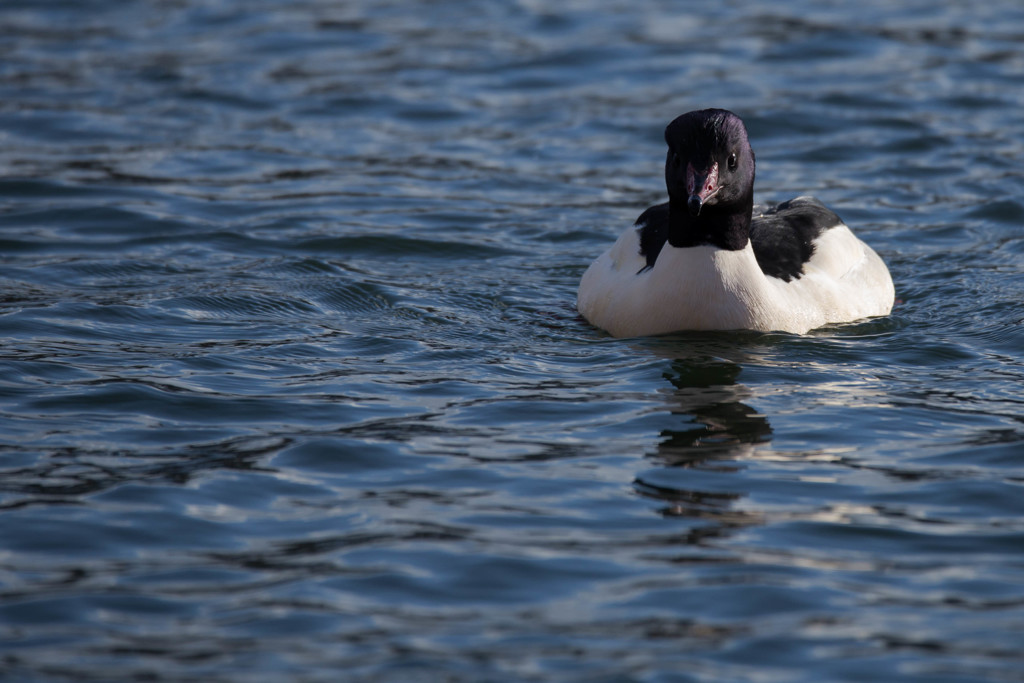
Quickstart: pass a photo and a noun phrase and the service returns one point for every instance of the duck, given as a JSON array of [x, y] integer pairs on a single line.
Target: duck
[[710, 259]]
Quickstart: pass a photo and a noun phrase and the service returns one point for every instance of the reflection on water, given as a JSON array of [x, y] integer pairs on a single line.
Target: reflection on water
[[706, 390], [724, 431]]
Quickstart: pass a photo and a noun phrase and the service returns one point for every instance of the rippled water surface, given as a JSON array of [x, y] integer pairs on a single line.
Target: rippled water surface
[[292, 386]]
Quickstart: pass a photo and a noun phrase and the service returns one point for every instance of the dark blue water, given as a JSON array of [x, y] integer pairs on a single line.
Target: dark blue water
[[292, 386]]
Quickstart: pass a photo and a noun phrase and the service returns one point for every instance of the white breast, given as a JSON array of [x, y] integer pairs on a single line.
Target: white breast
[[707, 288]]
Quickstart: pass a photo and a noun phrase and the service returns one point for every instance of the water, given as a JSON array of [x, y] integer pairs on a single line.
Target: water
[[292, 385]]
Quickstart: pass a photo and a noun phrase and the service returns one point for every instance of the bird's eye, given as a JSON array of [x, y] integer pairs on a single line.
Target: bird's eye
[[675, 160], [732, 162]]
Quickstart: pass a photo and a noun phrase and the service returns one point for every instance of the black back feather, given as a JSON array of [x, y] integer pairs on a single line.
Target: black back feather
[[781, 235]]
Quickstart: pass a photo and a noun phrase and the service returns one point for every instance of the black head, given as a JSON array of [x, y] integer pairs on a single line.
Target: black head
[[710, 165]]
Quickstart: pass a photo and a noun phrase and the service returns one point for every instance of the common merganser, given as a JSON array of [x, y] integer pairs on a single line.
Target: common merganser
[[708, 259]]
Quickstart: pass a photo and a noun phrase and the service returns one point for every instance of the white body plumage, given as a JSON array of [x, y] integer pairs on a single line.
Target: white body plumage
[[709, 288]]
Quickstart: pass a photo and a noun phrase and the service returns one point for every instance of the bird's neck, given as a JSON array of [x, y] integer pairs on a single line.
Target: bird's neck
[[723, 227]]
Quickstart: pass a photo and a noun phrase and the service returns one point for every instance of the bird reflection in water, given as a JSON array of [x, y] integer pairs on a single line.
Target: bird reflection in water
[[722, 430]]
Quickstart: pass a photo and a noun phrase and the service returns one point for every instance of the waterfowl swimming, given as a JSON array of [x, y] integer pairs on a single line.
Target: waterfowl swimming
[[708, 259]]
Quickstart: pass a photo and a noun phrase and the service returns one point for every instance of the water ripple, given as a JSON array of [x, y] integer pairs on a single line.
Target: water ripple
[[292, 383]]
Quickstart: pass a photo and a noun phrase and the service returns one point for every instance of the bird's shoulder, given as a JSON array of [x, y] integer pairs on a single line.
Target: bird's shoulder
[[652, 227], [783, 235]]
